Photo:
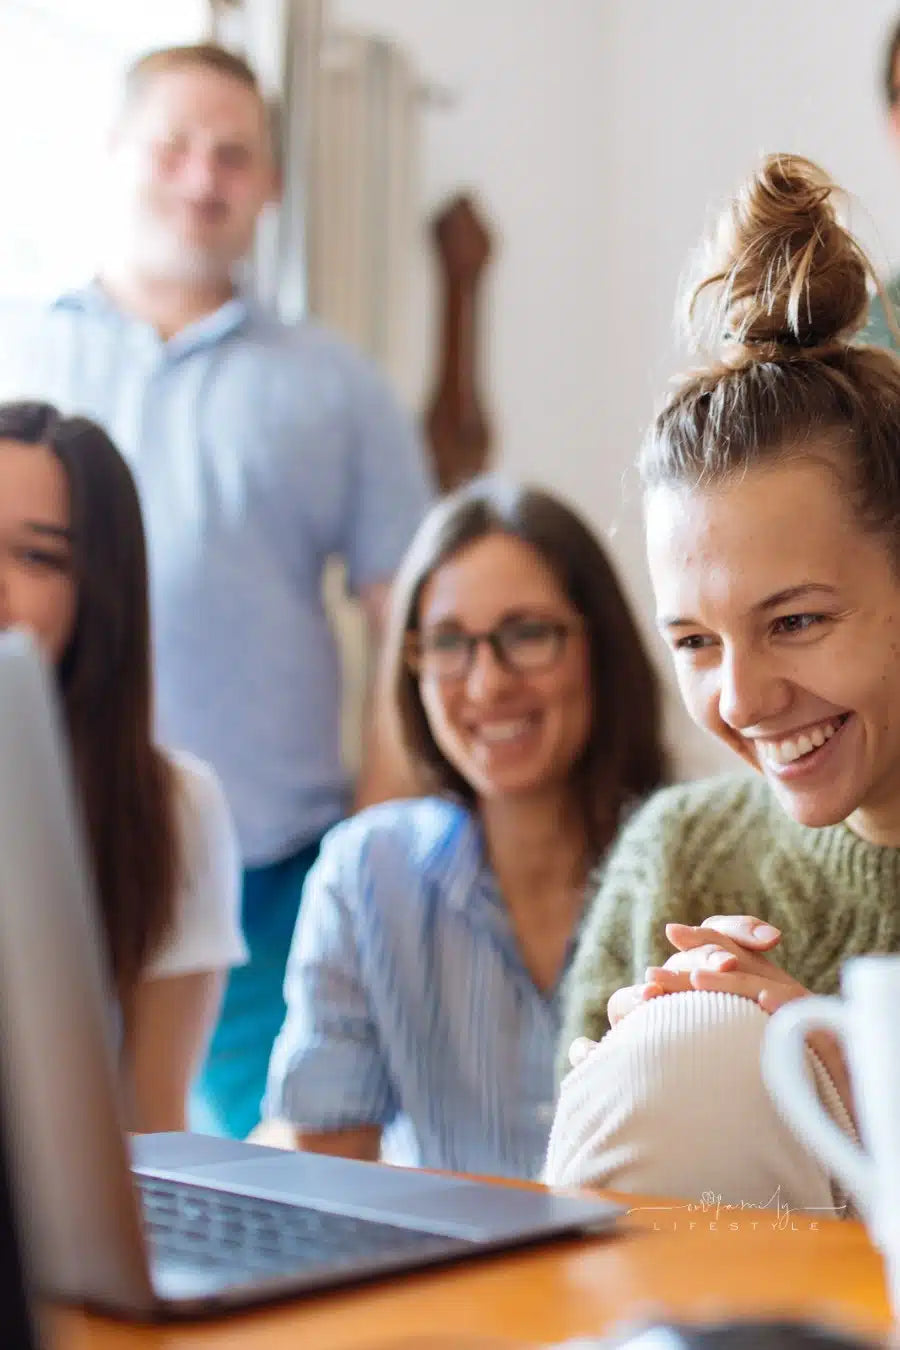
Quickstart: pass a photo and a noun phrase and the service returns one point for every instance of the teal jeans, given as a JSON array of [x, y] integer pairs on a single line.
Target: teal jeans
[[228, 1092]]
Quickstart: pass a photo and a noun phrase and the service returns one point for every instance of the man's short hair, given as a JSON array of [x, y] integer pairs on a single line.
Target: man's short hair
[[891, 85], [199, 56]]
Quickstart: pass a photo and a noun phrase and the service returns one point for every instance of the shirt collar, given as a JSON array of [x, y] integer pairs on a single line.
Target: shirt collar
[[457, 860], [204, 332]]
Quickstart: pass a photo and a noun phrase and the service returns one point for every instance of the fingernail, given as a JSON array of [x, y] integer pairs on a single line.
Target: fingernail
[[719, 960], [766, 931]]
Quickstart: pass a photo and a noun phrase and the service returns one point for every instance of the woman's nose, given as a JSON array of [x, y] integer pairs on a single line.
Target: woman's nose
[[751, 691], [486, 672]]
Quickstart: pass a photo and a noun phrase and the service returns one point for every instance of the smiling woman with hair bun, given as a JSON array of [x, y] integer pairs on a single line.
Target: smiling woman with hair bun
[[772, 506]]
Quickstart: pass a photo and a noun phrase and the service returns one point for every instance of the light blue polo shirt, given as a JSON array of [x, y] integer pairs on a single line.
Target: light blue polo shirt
[[260, 450]]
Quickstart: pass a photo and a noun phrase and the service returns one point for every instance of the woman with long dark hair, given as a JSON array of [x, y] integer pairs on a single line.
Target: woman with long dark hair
[[73, 570], [424, 983]]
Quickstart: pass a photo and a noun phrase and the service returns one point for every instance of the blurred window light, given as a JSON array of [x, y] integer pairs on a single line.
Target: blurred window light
[[60, 64]]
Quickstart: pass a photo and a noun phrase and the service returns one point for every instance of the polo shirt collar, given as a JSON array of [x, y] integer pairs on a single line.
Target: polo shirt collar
[[204, 332]]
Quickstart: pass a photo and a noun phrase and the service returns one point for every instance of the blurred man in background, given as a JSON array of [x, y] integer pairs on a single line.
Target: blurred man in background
[[260, 451]]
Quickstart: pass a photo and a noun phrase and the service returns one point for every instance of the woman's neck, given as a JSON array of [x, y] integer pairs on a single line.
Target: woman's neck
[[539, 852], [878, 819], [538, 849]]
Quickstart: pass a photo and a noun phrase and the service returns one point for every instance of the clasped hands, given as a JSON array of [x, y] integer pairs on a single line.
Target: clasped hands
[[727, 952]]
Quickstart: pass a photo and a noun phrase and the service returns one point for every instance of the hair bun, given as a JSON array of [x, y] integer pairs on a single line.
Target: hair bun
[[783, 274]]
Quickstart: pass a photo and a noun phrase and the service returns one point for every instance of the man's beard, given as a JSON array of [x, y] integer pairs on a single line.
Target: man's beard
[[159, 253]]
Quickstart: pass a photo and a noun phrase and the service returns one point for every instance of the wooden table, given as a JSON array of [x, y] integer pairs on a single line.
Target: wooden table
[[669, 1261]]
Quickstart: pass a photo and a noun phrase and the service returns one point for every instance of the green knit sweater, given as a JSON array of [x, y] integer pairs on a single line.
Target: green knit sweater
[[725, 846]]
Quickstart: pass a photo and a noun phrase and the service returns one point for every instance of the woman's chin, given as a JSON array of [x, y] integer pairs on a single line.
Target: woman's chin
[[816, 810]]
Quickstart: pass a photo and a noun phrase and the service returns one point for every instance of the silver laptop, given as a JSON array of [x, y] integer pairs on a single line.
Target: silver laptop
[[174, 1224]]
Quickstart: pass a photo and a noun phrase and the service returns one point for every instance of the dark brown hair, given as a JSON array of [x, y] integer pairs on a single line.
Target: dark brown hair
[[125, 786], [624, 757], [785, 295], [889, 68]]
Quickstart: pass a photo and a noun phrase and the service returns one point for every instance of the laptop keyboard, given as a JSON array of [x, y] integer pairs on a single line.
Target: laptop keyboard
[[207, 1228]]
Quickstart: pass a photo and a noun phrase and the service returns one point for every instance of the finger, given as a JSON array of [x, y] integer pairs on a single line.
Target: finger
[[685, 937], [744, 984], [624, 1001], [775, 996], [745, 929], [710, 956], [579, 1050], [669, 981]]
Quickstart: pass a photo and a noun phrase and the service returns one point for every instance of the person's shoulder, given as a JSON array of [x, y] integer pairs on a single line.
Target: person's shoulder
[[308, 338], [204, 932], [195, 779], [697, 803], [408, 840], [710, 823], [202, 810]]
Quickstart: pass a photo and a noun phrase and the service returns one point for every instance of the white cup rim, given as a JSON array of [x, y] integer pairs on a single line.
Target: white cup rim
[[868, 972]]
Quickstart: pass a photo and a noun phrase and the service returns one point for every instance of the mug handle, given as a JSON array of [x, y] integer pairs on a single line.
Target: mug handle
[[785, 1074]]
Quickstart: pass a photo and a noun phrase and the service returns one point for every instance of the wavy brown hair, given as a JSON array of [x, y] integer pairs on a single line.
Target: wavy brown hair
[[783, 299], [125, 785], [623, 759]]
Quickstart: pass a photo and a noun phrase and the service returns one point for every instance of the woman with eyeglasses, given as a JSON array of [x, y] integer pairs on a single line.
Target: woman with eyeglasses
[[423, 986]]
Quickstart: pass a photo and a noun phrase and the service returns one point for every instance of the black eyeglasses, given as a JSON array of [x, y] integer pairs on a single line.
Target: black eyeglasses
[[524, 646]]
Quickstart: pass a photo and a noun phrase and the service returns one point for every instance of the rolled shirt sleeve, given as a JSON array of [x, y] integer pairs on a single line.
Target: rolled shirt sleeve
[[328, 1070]]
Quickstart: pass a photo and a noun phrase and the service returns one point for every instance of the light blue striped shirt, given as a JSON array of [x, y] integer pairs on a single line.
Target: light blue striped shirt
[[260, 449], [408, 1001]]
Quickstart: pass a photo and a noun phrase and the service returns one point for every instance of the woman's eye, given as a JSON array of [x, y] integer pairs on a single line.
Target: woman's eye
[[39, 557], [798, 623], [446, 642], [528, 630], [693, 642]]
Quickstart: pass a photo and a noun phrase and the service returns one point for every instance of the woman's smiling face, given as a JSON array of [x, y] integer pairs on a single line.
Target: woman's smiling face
[[37, 586], [783, 617]]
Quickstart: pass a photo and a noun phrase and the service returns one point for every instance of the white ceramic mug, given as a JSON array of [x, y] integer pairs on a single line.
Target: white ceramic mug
[[866, 1021]]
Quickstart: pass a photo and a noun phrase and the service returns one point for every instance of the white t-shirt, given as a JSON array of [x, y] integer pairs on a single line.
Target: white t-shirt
[[205, 932]]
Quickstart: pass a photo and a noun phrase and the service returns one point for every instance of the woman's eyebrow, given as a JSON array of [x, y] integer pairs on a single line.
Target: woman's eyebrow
[[53, 531], [772, 601], [795, 593]]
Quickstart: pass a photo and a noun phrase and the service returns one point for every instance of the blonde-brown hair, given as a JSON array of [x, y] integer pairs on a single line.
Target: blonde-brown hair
[[202, 56], [191, 56], [783, 300]]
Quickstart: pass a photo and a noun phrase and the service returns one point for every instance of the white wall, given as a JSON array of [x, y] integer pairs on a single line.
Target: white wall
[[596, 133]]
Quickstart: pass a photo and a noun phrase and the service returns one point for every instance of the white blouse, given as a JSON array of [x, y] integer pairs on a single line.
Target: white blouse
[[205, 931]]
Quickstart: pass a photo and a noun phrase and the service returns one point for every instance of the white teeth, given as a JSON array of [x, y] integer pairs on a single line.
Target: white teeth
[[786, 751], [503, 731]]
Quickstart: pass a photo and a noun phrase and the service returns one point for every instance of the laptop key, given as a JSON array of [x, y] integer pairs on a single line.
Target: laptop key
[[190, 1224]]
